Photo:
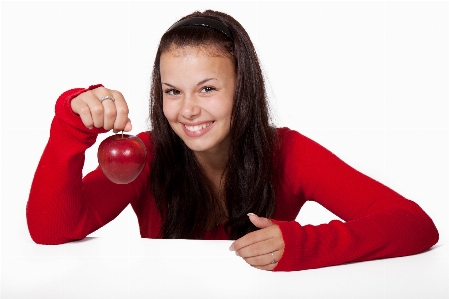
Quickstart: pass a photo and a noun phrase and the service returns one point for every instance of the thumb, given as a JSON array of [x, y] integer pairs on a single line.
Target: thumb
[[128, 126], [259, 222]]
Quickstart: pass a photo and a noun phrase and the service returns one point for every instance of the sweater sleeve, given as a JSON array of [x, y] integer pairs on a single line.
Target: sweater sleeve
[[377, 222], [62, 206]]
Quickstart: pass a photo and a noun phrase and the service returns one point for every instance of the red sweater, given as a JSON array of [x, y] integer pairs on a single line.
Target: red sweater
[[378, 222]]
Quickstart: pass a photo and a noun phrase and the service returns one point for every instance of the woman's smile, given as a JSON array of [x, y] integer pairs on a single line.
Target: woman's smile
[[197, 130]]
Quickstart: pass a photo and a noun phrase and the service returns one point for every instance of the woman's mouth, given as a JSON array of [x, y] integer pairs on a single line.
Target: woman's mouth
[[198, 127], [197, 130]]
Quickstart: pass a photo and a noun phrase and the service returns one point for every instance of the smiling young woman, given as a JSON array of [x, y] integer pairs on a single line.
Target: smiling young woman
[[217, 168], [207, 75], [198, 95]]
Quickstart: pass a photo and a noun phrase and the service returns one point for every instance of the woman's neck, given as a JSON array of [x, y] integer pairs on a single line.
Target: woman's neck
[[213, 166], [212, 162]]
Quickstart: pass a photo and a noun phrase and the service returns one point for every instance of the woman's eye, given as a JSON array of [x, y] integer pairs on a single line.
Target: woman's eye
[[208, 89], [172, 92]]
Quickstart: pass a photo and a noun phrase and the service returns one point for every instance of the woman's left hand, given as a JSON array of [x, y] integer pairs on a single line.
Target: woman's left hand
[[263, 248]]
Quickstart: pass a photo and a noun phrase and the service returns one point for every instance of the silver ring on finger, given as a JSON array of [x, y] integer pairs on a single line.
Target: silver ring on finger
[[274, 260], [104, 98]]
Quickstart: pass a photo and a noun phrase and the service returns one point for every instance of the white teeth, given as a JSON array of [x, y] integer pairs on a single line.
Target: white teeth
[[197, 128]]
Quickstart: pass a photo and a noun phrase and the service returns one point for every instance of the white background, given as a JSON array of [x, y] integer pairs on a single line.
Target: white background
[[368, 80]]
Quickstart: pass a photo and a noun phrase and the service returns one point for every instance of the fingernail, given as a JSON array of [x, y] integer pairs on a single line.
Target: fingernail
[[90, 128], [249, 214], [231, 247], [236, 253]]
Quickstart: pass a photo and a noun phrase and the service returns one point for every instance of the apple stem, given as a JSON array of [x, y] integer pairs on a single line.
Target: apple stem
[[122, 134]]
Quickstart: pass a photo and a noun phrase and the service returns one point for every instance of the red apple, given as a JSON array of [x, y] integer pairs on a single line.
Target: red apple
[[122, 157]]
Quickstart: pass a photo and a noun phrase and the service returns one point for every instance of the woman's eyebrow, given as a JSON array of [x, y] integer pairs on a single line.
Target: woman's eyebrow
[[168, 84], [199, 83], [205, 80]]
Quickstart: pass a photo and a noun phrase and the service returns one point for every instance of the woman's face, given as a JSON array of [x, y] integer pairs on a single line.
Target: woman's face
[[198, 94]]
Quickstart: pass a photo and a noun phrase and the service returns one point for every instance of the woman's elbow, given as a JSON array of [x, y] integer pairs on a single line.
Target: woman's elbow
[[45, 233], [423, 231], [50, 239]]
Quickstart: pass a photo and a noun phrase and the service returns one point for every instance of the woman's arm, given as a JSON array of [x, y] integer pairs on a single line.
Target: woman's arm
[[378, 222], [62, 206]]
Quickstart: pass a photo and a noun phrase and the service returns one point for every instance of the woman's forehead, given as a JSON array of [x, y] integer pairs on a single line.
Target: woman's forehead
[[207, 50], [183, 67], [194, 60], [198, 56]]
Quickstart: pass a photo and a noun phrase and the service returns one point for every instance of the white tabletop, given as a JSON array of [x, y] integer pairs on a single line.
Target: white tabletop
[[145, 268]]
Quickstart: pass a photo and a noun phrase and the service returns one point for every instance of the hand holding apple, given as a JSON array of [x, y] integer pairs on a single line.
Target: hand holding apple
[[122, 157], [107, 114]]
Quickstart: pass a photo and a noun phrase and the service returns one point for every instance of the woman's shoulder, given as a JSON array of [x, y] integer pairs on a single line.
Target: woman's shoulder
[[147, 139], [145, 136], [291, 137], [294, 144]]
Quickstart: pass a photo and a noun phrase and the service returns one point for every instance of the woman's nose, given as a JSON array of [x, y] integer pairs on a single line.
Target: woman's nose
[[190, 107]]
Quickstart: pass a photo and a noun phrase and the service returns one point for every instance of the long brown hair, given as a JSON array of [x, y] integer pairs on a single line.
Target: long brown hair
[[183, 193]]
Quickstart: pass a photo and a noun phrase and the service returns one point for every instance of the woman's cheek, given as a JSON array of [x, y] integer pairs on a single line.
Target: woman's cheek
[[169, 110]]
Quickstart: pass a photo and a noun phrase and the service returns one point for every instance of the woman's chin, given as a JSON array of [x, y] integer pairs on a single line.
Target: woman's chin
[[197, 147]]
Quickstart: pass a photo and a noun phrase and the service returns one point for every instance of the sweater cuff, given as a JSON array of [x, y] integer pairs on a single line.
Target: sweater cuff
[[291, 233], [63, 110]]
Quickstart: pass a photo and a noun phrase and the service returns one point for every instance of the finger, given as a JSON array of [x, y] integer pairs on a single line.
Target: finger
[[82, 109], [264, 259], [254, 237], [122, 111], [259, 222], [109, 114], [128, 126], [96, 110], [260, 248], [267, 267]]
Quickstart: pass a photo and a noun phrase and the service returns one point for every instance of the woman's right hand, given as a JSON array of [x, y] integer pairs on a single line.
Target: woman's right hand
[[107, 114]]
